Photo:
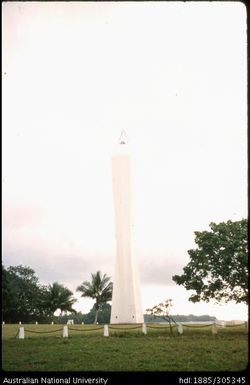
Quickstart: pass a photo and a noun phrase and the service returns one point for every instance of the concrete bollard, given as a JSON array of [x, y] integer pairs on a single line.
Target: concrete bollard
[[52, 323], [180, 328], [144, 328], [3, 323], [21, 333], [65, 331], [20, 323], [82, 323], [214, 329], [36, 323], [106, 331]]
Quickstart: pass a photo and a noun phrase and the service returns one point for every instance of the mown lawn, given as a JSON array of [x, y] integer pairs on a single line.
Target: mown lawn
[[124, 350]]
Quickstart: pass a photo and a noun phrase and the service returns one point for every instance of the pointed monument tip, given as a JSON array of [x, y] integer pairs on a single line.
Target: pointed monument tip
[[123, 137]]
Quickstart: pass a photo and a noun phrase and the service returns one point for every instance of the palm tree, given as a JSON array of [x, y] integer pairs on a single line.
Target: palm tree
[[59, 297], [99, 289]]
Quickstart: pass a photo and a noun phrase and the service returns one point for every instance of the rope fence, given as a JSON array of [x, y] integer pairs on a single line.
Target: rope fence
[[49, 331], [161, 327], [231, 326], [144, 327], [128, 328], [85, 330], [196, 326]]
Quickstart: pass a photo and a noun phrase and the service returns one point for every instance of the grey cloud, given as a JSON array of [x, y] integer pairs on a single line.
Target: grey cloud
[[158, 272], [70, 269]]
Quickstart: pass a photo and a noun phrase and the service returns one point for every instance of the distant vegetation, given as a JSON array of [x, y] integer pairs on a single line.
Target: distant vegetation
[[105, 311], [218, 269], [88, 318], [180, 318], [25, 299], [104, 317]]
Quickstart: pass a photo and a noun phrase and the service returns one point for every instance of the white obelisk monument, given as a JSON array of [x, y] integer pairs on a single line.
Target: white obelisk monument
[[126, 300]]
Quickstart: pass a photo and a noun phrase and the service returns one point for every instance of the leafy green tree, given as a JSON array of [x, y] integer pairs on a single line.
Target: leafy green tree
[[218, 267], [59, 297], [7, 295], [21, 294], [99, 289]]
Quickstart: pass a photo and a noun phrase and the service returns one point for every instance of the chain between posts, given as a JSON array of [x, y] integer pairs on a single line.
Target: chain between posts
[[133, 328], [197, 326], [161, 327], [85, 330], [50, 331], [233, 326], [129, 328]]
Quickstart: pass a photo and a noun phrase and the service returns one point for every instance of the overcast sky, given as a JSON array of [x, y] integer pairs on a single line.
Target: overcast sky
[[75, 74]]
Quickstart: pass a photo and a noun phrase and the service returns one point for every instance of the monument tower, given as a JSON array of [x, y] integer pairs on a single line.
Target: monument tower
[[126, 301]]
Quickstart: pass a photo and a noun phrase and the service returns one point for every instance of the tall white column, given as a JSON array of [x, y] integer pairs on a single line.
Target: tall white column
[[126, 301]]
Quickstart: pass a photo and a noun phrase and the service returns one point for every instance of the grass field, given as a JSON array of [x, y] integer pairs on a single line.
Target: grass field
[[126, 349]]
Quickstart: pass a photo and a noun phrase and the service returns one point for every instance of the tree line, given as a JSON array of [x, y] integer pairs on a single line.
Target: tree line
[[217, 270], [25, 299]]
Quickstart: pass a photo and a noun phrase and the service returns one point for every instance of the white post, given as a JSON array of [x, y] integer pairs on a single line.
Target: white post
[[214, 329], [65, 331], [180, 329], [3, 323], [144, 328], [106, 331], [36, 323], [82, 323], [21, 332], [20, 323], [52, 323]]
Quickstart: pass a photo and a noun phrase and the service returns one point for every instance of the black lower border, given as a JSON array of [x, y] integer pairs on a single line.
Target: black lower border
[[130, 378]]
